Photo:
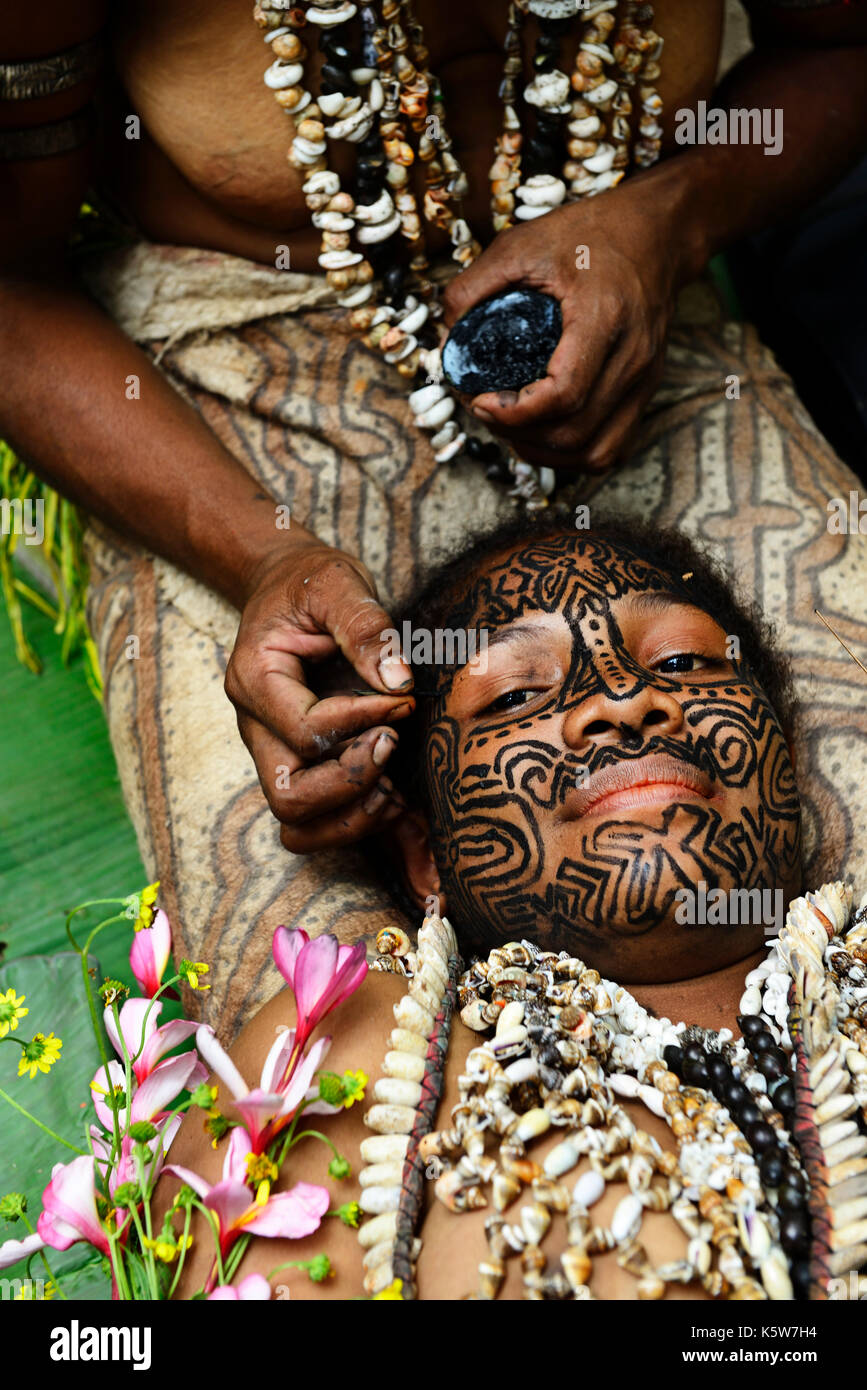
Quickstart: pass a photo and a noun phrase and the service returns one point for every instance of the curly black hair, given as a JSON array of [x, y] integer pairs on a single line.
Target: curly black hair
[[669, 550]]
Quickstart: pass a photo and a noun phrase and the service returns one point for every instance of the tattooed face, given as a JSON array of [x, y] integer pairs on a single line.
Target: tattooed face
[[611, 754]]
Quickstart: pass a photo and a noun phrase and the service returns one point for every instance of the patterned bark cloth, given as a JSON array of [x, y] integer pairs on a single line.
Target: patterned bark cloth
[[274, 370]]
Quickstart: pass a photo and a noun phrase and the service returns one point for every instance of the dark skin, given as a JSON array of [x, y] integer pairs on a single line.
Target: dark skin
[[696, 975], [210, 171], [611, 755]]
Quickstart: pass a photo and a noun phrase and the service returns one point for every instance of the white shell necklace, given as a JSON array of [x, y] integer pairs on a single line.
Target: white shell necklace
[[769, 1187]]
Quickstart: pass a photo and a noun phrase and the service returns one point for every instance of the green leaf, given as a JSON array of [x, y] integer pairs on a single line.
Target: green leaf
[[61, 1099]]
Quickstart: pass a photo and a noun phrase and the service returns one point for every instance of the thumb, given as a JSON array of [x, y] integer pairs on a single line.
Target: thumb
[[364, 632], [495, 270]]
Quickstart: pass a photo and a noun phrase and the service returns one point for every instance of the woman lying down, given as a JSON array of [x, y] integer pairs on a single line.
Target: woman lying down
[[603, 808]]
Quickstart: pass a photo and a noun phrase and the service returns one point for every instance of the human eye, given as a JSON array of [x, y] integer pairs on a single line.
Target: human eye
[[683, 662], [512, 699]]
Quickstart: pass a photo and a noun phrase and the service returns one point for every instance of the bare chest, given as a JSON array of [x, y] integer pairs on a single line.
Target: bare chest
[[193, 74]]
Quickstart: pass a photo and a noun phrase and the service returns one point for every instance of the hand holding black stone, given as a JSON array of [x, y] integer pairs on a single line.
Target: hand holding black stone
[[503, 343]]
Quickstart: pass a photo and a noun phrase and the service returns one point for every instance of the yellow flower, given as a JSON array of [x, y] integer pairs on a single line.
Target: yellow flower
[[261, 1171], [190, 970], [354, 1083], [165, 1249], [31, 1290], [141, 906], [260, 1168], [216, 1125], [392, 1292], [39, 1055], [10, 1011]]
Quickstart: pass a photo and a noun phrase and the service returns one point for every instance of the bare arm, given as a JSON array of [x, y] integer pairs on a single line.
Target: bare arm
[[656, 232], [153, 470]]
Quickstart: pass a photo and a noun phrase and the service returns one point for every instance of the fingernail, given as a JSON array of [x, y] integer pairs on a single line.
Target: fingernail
[[394, 673], [382, 748], [399, 711], [374, 801], [507, 398], [482, 414]]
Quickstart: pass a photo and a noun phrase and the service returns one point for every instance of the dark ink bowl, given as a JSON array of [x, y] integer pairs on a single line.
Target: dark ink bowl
[[502, 343]]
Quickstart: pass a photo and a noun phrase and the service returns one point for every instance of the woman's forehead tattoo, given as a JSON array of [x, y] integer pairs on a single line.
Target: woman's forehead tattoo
[[543, 576]]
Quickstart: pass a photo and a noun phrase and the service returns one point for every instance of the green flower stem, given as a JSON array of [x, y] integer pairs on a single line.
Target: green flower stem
[[239, 1250], [40, 1125], [91, 1004], [117, 1266], [94, 902], [183, 1254], [139, 1164], [147, 1255], [127, 1067], [314, 1134], [289, 1140], [42, 1255], [290, 1264], [217, 1266]]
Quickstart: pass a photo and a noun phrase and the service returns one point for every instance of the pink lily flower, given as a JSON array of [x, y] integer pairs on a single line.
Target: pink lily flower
[[145, 1042], [269, 1108], [288, 1215], [11, 1251], [151, 1099], [150, 954], [321, 973], [254, 1288], [124, 1168], [69, 1207]]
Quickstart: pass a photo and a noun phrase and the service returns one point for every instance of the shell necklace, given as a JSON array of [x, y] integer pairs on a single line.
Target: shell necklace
[[377, 93], [769, 1181]]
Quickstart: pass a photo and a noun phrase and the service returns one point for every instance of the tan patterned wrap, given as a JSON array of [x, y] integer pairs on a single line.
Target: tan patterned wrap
[[324, 424]]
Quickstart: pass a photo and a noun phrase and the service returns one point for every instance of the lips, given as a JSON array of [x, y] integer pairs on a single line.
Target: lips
[[645, 782]]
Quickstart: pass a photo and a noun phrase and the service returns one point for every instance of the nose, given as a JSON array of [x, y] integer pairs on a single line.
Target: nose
[[603, 719]]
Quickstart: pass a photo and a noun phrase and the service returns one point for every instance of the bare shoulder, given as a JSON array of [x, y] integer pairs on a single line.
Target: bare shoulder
[[453, 1245], [360, 1029]]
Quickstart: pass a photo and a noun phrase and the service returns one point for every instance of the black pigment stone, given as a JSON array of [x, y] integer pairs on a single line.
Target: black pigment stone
[[503, 343]]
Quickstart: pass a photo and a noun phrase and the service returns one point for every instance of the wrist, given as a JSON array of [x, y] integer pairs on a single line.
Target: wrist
[[249, 536], [674, 191], [264, 553]]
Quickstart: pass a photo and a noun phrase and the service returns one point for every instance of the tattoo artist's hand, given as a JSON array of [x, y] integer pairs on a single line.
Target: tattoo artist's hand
[[615, 317], [305, 604]]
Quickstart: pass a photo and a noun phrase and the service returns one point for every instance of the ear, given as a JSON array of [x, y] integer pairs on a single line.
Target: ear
[[411, 837], [790, 744]]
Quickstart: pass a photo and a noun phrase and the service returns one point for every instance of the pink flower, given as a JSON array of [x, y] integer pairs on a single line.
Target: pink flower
[[269, 1108], [124, 1168], [254, 1287], [69, 1207], [150, 954], [321, 974], [288, 1215], [146, 1043], [11, 1251], [150, 1100]]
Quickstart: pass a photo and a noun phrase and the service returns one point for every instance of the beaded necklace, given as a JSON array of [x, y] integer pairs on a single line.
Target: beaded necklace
[[769, 1181], [376, 92]]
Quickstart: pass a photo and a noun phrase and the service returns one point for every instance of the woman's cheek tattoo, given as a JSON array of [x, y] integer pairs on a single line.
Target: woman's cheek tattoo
[[496, 793]]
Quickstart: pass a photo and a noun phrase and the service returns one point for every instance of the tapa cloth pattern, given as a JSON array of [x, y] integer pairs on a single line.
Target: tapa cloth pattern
[[273, 368]]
